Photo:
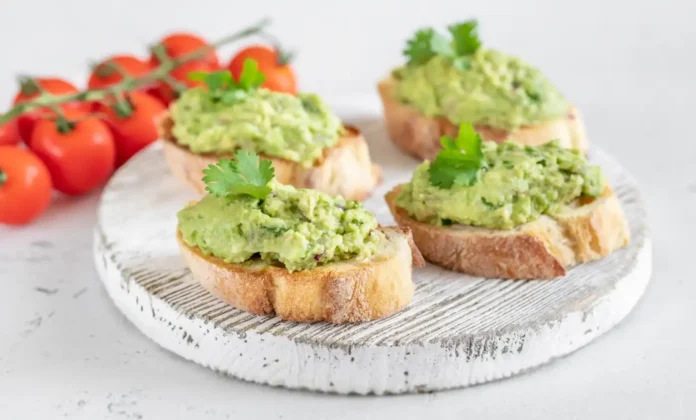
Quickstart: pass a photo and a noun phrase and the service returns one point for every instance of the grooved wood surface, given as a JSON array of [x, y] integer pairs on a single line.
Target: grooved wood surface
[[458, 331]]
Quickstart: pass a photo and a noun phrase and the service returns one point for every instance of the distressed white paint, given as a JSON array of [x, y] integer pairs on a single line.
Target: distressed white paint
[[458, 331], [629, 69]]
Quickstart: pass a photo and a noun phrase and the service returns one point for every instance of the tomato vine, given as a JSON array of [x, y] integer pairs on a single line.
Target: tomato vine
[[128, 83]]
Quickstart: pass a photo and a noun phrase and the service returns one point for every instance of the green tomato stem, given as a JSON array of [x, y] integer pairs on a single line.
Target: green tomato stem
[[3, 178], [29, 85], [109, 68], [167, 64], [177, 86], [64, 125], [284, 56], [123, 106], [160, 52]]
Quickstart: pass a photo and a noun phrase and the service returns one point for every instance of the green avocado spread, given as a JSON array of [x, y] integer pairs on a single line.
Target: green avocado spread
[[497, 90], [296, 128], [298, 228], [517, 185]]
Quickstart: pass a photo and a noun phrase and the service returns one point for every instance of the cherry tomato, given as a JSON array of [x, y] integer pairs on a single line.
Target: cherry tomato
[[280, 76], [178, 44], [180, 74], [137, 130], [9, 133], [80, 159], [25, 186], [70, 113], [104, 76], [26, 121], [156, 92]]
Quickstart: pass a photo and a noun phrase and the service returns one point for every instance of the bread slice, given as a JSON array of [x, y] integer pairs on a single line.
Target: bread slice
[[344, 169], [343, 292], [543, 249], [419, 135]]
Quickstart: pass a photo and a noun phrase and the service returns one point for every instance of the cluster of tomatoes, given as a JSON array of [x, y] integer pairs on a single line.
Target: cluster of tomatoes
[[79, 156]]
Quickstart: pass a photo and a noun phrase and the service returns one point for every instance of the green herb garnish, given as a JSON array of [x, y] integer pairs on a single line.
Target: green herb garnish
[[465, 36], [423, 46], [427, 43], [245, 175], [460, 159], [251, 77], [222, 86]]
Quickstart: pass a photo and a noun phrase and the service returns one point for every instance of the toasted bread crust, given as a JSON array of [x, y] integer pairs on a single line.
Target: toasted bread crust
[[419, 135], [345, 292], [542, 249], [345, 169]]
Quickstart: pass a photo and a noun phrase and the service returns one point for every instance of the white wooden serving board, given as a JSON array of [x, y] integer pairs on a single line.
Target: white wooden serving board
[[458, 331]]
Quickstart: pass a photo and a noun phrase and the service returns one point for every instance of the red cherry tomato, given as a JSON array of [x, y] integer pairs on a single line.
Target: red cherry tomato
[[25, 122], [70, 113], [156, 92], [280, 76], [181, 43], [137, 130], [180, 74], [9, 133], [105, 76], [25, 186], [80, 159]]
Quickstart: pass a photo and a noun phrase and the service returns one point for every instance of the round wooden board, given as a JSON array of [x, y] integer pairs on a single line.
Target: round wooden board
[[458, 331]]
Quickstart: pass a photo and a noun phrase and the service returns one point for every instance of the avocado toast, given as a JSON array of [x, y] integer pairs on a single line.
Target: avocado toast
[[308, 144], [449, 81], [509, 211], [300, 254]]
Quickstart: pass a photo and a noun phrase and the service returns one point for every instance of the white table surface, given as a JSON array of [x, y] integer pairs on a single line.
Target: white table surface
[[66, 352]]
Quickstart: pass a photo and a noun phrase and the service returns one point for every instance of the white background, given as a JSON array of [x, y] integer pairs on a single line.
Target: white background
[[630, 66]]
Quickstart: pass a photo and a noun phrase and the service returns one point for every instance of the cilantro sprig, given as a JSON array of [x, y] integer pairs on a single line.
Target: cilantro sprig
[[428, 43], [222, 86], [460, 160], [246, 174]]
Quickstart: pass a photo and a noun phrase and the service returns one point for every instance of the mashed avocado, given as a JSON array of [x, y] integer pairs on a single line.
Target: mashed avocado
[[296, 128], [519, 184], [498, 90], [299, 228]]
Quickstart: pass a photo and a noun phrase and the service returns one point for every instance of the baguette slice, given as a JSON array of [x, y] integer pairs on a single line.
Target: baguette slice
[[543, 249], [344, 169], [419, 135], [343, 292]]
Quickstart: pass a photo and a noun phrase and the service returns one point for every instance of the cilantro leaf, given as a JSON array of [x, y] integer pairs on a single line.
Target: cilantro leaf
[[255, 191], [222, 86], [468, 174], [220, 178], [197, 76], [443, 172], [427, 43], [419, 48], [465, 37], [245, 175], [447, 171], [460, 160], [255, 171], [440, 45], [251, 77], [216, 81], [468, 141], [447, 143]]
